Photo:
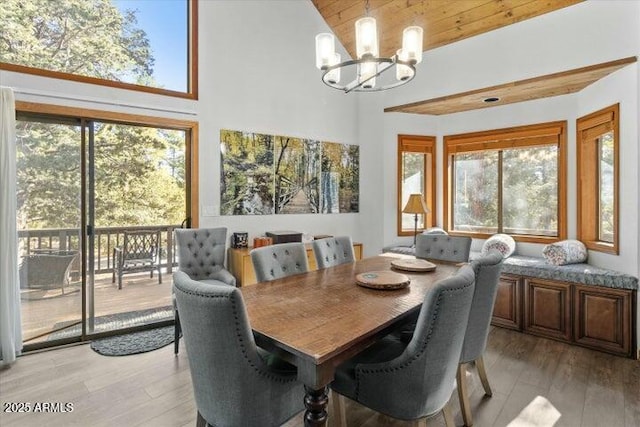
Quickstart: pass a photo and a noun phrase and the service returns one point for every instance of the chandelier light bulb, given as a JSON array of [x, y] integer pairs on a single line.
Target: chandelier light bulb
[[403, 72], [412, 43], [333, 76], [366, 37], [368, 69], [325, 50]]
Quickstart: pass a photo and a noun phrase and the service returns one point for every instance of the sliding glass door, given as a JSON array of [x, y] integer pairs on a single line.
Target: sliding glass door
[[138, 194], [97, 205], [49, 208]]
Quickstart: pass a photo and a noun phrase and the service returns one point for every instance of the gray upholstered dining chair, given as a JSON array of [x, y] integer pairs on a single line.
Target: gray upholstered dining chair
[[201, 254], [333, 251], [277, 261], [234, 383], [487, 271], [414, 380], [443, 248]]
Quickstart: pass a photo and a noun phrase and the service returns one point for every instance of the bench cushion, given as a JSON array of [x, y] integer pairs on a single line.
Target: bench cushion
[[585, 274], [404, 250]]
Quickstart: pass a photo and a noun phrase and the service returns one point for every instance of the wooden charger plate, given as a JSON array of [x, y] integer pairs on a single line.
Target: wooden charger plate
[[387, 280], [417, 265]]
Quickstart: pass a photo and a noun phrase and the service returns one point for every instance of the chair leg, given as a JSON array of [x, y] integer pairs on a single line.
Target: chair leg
[[159, 274], [482, 373], [177, 329], [339, 412], [422, 422], [448, 416], [463, 394], [200, 422]]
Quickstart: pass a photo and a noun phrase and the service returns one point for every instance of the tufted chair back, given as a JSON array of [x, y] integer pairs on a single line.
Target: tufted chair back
[[233, 384], [487, 271], [414, 380], [333, 251], [276, 261], [201, 251], [443, 248]]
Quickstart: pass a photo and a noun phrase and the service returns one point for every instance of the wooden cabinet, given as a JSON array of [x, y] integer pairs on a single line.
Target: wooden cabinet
[[507, 311], [547, 308], [591, 316], [240, 265], [602, 318]]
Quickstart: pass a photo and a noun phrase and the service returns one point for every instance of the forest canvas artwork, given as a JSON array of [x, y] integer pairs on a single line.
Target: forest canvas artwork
[[269, 174]]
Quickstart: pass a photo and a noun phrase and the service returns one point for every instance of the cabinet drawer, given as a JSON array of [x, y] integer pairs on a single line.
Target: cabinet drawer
[[547, 309], [602, 318], [507, 311]]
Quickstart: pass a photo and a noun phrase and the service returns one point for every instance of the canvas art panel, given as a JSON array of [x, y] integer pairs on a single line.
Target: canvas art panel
[[271, 174]]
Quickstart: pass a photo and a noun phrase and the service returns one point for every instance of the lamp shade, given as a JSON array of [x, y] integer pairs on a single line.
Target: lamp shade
[[412, 43], [402, 71], [325, 50], [366, 37], [416, 205]]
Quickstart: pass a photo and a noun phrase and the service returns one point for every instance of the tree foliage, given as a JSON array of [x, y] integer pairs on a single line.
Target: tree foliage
[[86, 37], [139, 171]]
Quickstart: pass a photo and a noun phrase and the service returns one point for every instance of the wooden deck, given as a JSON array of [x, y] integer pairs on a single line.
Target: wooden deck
[[44, 311]]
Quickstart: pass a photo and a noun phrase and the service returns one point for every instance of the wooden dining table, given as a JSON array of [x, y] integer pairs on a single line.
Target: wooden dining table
[[319, 319]]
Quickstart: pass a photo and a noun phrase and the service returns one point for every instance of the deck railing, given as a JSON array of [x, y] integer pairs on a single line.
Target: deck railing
[[106, 239]]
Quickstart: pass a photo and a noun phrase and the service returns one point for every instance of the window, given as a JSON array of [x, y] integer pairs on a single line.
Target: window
[[597, 158], [507, 181], [416, 174], [139, 45]]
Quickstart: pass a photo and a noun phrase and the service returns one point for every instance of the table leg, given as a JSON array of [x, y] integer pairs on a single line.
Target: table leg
[[316, 403]]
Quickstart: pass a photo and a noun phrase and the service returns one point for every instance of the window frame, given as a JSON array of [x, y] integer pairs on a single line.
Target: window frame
[[551, 133], [425, 145], [587, 203], [190, 127], [192, 66]]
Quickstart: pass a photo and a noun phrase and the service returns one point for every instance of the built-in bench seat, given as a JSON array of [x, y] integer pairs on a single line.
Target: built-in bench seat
[[584, 274], [577, 303]]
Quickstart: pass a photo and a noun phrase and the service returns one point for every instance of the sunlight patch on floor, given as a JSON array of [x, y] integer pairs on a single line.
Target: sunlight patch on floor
[[539, 413]]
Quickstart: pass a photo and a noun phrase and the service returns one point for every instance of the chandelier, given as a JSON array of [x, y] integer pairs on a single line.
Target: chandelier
[[369, 65]]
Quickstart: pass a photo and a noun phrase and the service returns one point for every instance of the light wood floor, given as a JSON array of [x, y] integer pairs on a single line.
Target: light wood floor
[[536, 382]]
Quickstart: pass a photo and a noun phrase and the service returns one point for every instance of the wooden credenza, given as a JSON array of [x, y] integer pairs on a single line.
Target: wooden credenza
[[240, 265]]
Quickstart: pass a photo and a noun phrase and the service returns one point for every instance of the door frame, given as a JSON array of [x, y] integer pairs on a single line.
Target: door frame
[[86, 116]]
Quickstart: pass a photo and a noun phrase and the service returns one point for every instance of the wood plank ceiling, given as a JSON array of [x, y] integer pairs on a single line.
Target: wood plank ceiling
[[443, 21], [523, 90]]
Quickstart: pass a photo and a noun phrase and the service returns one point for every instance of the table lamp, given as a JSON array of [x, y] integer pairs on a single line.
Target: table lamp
[[417, 206]]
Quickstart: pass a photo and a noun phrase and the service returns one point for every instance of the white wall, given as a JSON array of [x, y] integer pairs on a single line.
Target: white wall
[[257, 73], [569, 38]]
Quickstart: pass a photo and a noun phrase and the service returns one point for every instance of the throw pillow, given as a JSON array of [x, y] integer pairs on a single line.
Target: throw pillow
[[565, 252], [434, 230], [502, 243]]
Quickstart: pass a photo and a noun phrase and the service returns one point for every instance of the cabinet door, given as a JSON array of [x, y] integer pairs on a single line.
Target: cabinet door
[[547, 309], [602, 318], [507, 311]]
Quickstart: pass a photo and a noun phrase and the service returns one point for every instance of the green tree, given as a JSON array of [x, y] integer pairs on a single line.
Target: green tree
[[139, 171], [86, 37]]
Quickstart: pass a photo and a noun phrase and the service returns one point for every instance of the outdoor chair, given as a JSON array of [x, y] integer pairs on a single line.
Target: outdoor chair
[[333, 251], [281, 260], [46, 270], [201, 257], [235, 383], [140, 251], [413, 381]]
